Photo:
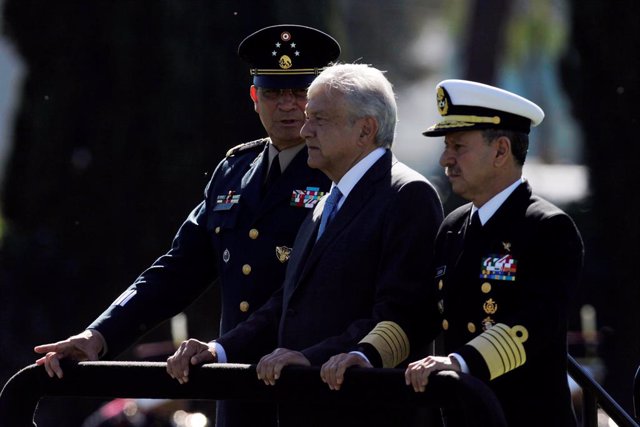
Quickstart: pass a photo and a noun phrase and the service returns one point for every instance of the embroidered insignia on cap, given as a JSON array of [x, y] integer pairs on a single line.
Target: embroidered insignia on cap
[[499, 268], [283, 253], [224, 202], [306, 198], [443, 103], [285, 62]]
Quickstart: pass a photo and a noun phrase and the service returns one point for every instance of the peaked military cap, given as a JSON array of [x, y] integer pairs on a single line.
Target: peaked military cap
[[466, 105], [287, 56]]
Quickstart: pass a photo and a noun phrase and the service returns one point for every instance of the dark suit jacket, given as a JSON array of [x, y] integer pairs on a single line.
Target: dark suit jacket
[[368, 266], [520, 269], [235, 235]]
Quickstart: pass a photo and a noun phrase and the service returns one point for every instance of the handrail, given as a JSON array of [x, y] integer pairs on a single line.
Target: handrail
[[594, 395], [636, 393], [471, 400]]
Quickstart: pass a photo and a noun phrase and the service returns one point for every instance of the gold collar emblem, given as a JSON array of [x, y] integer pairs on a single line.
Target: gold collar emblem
[[283, 253]]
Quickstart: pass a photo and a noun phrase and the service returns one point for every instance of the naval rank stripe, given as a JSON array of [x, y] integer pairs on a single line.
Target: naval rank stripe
[[391, 342], [501, 348]]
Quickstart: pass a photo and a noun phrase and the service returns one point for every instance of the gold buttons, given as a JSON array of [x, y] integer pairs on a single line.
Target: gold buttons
[[244, 306], [440, 284], [246, 269], [445, 324], [217, 230], [471, 327], [486, 287], [253, 234]]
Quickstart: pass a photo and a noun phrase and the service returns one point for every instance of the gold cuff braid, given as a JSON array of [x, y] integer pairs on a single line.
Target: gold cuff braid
[[501, 348], [390, 341]]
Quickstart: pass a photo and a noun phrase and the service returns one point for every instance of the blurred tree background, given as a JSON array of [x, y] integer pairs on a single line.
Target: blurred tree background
[[126, 107]]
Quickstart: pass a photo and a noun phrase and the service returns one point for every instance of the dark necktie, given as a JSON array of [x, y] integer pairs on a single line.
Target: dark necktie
[[274, 173], [474, 226], [330, 209]]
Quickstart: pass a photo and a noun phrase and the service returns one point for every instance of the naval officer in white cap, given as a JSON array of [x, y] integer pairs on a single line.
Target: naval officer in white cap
[[506, 263]]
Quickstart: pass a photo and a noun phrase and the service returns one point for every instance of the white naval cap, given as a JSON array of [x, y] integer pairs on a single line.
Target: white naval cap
[[466, 105]]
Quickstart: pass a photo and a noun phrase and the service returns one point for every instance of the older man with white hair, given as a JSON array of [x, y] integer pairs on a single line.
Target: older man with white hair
[[358, 261]]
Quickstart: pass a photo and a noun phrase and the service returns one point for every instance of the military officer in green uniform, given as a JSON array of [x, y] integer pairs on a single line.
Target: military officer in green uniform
[[243, 231]]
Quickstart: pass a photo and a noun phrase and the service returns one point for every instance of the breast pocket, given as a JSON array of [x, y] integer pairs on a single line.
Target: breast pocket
[[220, 219]]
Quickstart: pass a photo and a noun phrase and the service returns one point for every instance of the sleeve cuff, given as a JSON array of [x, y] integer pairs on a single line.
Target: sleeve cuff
[[100, 337], [361, 354], [464, 368], [221, 355]]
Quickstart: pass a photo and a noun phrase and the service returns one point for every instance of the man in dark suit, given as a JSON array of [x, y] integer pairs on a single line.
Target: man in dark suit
[[506, 263], [358, 259], [243, 231]]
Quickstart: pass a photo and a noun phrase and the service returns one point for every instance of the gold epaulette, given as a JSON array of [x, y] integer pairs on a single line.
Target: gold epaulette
[[247, 146], [501, 348], [391, 342]]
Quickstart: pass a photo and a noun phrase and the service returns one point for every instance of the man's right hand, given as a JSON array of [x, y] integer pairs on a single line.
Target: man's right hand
[[190, 353], [84, 346]]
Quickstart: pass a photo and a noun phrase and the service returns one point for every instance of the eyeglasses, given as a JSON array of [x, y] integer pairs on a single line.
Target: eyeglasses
[[274, 94]]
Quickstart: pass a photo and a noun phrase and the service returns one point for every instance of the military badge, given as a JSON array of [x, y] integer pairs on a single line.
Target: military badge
[[306, 198], [506, 246], [224, 202], [226, 256], [490, 306], [283, 253], [487, 323], [285, 62], [443, 104], [499, 268]]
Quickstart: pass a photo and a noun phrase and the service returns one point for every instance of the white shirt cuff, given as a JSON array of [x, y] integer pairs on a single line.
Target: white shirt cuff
[[221, 355], [463, 365], [359, 353]]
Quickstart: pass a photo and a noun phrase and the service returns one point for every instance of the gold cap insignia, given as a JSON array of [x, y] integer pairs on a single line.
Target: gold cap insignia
[[283, 253], [285, 62], [443, 103]]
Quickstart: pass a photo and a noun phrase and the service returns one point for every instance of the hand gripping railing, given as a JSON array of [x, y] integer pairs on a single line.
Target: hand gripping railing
[[470, 400]]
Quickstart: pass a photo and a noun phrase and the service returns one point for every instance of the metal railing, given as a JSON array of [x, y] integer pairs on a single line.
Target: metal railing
[[469, 398], [636, 394], [594, 396]]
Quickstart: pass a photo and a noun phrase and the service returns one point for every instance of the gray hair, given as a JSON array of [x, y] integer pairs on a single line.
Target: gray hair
[[367, 93]]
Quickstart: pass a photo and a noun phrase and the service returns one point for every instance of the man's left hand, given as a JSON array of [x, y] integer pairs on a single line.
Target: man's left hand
[[270, 366]]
